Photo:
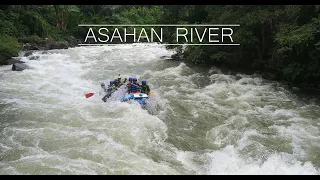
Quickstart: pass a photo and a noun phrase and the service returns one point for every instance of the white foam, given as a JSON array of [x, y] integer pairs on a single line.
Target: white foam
[[67, 123], [56, 129]]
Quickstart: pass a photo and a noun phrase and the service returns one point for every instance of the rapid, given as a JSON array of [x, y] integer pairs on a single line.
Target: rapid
[[200, 120]]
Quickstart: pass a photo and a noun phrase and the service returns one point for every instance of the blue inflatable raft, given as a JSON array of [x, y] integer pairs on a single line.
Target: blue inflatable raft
[[141, 98]]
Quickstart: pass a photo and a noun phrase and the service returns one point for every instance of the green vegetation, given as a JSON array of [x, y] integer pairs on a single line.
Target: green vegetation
[[282, 40], [9, 46]]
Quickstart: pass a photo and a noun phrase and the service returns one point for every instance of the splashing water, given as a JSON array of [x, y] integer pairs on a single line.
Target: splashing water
[[200, 121]]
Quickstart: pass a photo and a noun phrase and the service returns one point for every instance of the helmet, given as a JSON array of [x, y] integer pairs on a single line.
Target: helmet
[[130, 78], [134, 79], [111, 82], [102, 84], [144, 82]]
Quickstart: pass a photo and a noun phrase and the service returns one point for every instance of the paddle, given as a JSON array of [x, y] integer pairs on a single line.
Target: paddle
[[89, 94], [125, 79], [152, 93]]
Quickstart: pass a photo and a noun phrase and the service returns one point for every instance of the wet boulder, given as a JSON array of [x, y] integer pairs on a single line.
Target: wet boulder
[[28, 53], [19, 66], [34, 58], [166, 57], [31, 46], [177, 57]]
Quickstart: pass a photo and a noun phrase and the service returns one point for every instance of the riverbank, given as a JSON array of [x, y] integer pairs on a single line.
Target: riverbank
[[313, 88], [31, 43]]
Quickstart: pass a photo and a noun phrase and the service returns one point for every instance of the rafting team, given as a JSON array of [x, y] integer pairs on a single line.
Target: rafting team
[[133, 86]]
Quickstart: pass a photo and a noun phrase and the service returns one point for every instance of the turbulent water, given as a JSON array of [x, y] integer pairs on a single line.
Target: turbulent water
[[198, 121]]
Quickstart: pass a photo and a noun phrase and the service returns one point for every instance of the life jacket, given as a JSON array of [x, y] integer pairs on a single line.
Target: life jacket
[[116, 83], [144, 88], [129, 86], [135, 87]]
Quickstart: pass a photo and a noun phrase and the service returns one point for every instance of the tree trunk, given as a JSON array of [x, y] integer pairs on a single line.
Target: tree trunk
[[60, 16], [64, 17]]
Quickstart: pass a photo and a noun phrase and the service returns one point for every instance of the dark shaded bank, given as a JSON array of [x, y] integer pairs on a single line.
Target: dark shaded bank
[[49, 44]]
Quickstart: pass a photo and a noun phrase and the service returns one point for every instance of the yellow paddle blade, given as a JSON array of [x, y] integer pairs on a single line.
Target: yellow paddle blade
[[152, 93]]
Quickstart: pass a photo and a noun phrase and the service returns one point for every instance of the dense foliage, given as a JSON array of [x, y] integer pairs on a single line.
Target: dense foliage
[[283, 40]]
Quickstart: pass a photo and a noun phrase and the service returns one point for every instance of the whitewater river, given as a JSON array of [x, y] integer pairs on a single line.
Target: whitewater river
[[199, 121]]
